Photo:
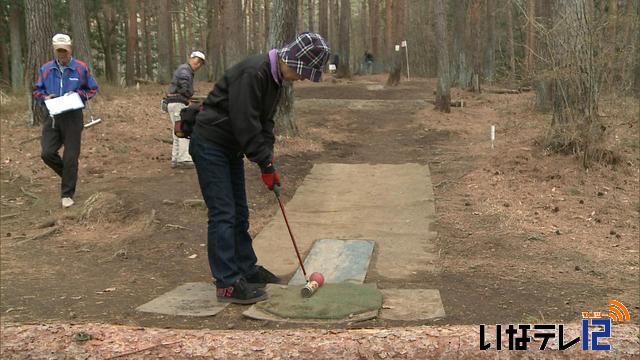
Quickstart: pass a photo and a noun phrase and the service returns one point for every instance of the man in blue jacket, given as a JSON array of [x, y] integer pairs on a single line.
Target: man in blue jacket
[[62, 76]]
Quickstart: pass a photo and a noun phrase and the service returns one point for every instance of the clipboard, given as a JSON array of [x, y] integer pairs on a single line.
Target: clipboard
[[63, 104]]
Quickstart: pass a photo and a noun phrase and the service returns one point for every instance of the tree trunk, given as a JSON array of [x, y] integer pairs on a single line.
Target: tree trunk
[[543, 85], [575, 127], [476, 52], [421, 39], [490, 45], [312, 13], [344, 70], [214, 41], [4, 63], [282, 30], [443, 97], [165, 52], [80, 33], [132, 37], [300, 12], [395, 34], [255, 45], [334, 16], [530, 40], [612, 21], [460, 69], [398, 21], [628, 52], [323, 18], [611, 44], [388, 31], [374, 28], [399, 30], [17, 69], [245, 23], [211, 36], [144, 17], [107, 23], [266, 20], [5, 52], [202, 28], [234, 32], [188, 26], [39, 19], [180, 43], [510, 45], [364, 34]]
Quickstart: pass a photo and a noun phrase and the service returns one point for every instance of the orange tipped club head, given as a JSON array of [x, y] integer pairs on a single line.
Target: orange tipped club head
[[317, 277]]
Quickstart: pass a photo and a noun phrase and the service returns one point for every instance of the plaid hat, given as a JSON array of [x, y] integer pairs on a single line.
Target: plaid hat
[[307, 54]]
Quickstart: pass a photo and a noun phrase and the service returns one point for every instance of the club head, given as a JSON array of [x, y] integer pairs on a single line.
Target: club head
[[92, 122]]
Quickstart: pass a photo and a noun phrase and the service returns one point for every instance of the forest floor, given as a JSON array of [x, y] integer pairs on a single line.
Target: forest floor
[[524, 236]]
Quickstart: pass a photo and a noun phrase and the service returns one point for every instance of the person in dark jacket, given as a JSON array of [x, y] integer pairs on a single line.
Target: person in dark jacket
[[237, 121], [62, 76], [178, 97]]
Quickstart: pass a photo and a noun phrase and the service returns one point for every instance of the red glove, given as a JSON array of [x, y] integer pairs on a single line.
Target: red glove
[[270, 177]]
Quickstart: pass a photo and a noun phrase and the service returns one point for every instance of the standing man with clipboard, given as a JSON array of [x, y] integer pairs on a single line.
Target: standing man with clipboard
[[62, 76]]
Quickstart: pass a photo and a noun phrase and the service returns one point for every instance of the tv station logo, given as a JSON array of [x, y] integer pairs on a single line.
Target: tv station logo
[[596, 328]]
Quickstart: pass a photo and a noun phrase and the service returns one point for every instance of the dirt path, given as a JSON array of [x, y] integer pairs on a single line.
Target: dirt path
[[488, 205]]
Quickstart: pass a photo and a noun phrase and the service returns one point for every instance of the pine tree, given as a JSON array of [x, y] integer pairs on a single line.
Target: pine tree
[[282, 30], [39, 19]]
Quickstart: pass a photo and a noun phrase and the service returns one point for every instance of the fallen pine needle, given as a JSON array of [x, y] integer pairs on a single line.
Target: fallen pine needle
[[143, 349]]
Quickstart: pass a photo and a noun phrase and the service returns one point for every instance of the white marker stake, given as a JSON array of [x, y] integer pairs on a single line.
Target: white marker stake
[[493, 134], [406, 52]]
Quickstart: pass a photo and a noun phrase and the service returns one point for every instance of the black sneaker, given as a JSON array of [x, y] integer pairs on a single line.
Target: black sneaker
[[263, 277], [240, 293]]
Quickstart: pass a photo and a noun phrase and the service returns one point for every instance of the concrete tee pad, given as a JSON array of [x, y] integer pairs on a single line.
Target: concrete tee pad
[[411, 304], [389, 204], [190, 299], [337, 260]]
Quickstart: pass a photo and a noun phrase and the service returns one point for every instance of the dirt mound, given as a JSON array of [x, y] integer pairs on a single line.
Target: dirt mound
[[105, 207]]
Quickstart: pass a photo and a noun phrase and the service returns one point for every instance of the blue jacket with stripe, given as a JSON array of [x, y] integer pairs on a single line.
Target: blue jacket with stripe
[[57, 81]]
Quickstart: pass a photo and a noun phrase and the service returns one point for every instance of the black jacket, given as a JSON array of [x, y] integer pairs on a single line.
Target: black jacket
[[238, 113], [181, 87]]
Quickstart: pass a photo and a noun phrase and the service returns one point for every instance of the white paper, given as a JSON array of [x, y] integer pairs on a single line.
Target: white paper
[[62, 104], [332, 67], [397, 47], [403, 43]]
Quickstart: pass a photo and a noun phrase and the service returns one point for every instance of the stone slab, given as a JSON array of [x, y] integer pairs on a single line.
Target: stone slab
[[190, 299], [337, 260], [411, 304]]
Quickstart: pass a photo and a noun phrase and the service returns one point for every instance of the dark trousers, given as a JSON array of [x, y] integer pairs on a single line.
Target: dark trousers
[[67, 131], [221, 178]]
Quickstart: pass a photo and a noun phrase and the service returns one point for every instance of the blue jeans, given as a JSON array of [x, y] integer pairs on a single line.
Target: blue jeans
[[221, 178]]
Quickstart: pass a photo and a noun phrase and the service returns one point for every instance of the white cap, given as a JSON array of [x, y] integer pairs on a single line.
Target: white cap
[[198, 54], [61, 41]]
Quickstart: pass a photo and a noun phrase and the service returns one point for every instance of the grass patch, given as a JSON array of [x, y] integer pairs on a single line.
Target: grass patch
[[574, 191], [632, 143], [535, 237]]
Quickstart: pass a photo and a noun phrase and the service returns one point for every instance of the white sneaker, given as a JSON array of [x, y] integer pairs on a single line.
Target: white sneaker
[[67, 201]]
